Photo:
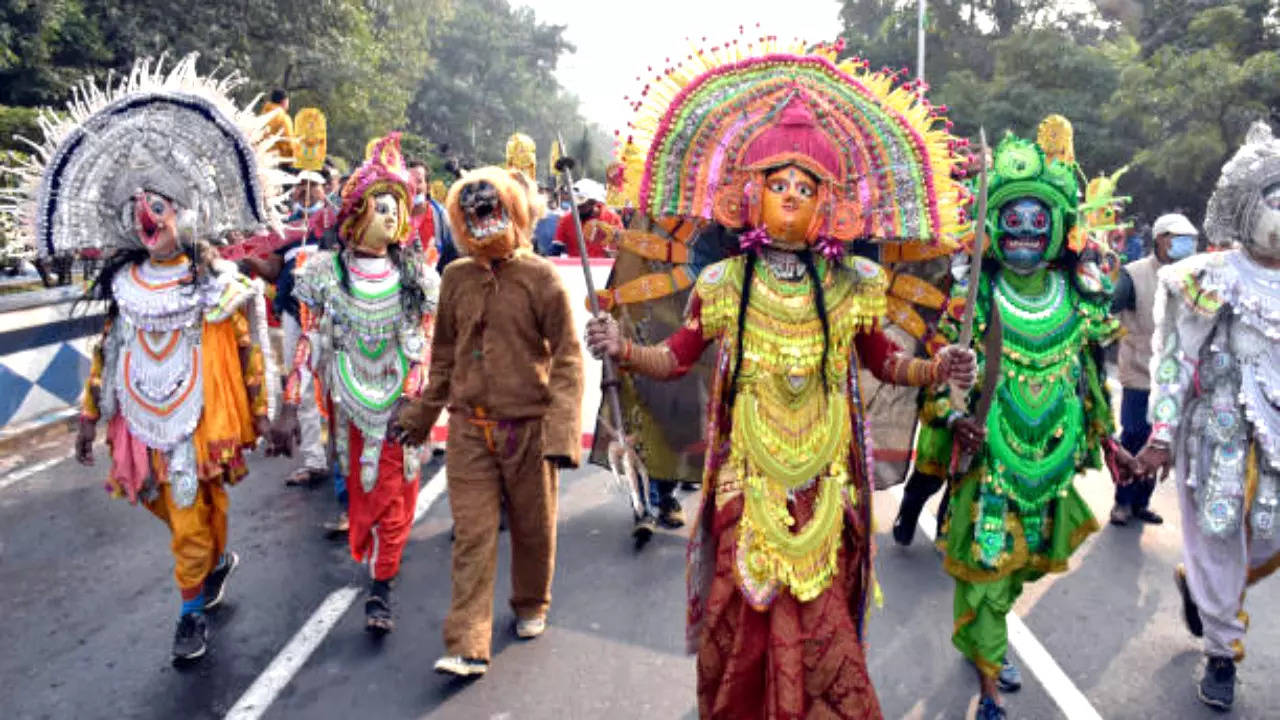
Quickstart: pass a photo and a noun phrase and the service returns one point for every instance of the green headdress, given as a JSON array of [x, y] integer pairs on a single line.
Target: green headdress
[[1020, 169]]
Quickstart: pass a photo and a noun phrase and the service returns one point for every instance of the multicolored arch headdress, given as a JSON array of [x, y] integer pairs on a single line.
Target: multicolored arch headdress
[[383, 172], [707, 129]]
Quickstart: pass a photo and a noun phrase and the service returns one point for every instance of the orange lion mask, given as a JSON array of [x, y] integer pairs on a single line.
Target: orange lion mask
[[492, 211]]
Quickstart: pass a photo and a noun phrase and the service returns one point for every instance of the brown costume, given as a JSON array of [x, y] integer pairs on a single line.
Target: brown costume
[[506, 362]]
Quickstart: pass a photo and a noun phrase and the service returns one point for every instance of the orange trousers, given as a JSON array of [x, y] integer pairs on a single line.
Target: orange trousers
[[198, 532], [487, 461]]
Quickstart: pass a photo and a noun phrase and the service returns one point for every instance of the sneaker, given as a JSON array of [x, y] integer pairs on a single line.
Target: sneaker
[[643, 529], [1190, 612], [1148, 516], [215, 585], [1121, 515], [989, 709], [1218, 685], [670, 513], [461, 666], [377, 609], [530, 628], [191, 638], [1010, 678]]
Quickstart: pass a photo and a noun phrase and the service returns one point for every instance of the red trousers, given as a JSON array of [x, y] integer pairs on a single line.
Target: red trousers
[[382, 518]]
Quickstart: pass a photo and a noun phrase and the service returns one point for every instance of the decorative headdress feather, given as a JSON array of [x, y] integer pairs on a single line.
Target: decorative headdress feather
[[704, 127], [174, 132]]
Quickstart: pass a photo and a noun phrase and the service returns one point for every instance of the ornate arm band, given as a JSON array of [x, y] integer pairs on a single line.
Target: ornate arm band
[[914, 372], [656, 361]]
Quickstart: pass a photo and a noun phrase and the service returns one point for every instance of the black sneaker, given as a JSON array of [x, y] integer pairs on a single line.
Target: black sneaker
[[670, 513], [1218, 685], [1010, 678], [989, 709], [215, 585], [377, 609], [1148, 516], [191, 638], [643, 530], [1190, 612]]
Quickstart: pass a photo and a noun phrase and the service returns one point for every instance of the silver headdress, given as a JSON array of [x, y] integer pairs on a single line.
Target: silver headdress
[[1236, 205], [171, 132]]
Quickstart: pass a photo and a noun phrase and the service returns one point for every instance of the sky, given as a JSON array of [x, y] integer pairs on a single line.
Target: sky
[[617, 40]]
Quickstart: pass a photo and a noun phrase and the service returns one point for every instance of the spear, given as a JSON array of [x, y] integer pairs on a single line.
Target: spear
[[627, 468]]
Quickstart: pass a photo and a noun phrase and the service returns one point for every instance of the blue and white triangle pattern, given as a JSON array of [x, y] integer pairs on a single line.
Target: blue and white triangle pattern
[[42, 380]]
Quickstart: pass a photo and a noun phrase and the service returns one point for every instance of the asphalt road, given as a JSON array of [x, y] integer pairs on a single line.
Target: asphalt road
[[88, 607]]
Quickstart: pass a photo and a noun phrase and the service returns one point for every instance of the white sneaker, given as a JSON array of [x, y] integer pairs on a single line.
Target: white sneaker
[[460, 666], [530, 628]]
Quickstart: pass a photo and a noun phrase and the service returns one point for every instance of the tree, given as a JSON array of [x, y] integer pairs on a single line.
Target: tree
[[496, 78], [1191, 102]]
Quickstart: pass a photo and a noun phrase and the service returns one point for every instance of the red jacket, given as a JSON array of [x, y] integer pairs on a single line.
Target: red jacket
[[567, 236]]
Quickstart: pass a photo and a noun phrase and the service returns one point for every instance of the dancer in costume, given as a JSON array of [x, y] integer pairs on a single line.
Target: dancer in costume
[[647, 292], [506, 363], [802, 155], [148, 171], [1015, 515], [370, 309], [1215, 405]]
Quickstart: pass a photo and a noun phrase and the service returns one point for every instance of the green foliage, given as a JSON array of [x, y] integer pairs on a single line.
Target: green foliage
[[18, 121], [495, 79], [1168, 86]]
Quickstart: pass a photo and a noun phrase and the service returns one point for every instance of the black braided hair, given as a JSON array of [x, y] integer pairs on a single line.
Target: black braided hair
[[820, 304], [100, 290], [744, 298]]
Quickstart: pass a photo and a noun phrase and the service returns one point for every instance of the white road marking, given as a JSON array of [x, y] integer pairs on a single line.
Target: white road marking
[[28, 471], [1035, 657], [429, 494], [255, 701]]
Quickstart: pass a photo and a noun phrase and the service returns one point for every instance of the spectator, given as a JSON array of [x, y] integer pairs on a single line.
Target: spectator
[[590, 194], [1134, 303], [425, 208], [544, 233]]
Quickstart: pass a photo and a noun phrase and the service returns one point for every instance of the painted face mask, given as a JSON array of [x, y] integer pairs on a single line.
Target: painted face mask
[[156, 220], [1181, 246], [788, 204], [382, 219], [1266, 229], [1025, 226]]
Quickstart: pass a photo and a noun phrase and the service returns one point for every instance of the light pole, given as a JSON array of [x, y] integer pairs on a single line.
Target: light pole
[[920, 11]]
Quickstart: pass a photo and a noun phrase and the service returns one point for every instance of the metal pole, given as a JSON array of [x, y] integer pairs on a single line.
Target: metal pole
[[920, 11]]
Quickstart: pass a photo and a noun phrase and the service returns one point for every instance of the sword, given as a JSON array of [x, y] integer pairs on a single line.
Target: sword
[[625, 465], [991, 352], [959, 400]]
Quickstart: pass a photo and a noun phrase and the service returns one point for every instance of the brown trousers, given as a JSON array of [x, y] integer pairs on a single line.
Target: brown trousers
[[199, 532], [487, 461]]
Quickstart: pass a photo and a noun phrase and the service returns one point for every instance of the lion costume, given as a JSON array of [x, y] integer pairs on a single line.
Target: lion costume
[[505, 361]]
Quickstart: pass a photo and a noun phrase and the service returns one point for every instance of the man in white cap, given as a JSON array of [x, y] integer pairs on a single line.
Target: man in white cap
[[589, 195], [1134, 301]]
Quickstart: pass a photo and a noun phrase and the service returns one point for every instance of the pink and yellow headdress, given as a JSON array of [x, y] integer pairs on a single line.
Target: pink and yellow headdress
[[383, 172], [706, 130]]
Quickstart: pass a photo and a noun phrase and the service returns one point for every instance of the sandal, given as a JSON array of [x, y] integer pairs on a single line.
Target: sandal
[[306, 477]]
